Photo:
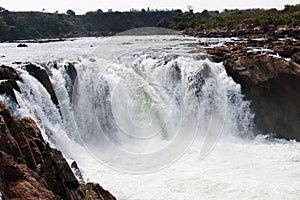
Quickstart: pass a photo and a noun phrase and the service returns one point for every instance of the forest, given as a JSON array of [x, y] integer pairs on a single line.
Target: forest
[[36, 25]]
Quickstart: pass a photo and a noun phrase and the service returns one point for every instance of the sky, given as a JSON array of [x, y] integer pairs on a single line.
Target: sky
[[81, 7]]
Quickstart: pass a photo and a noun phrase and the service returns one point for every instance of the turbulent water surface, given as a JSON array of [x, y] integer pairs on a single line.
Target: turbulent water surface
[[150, 118]]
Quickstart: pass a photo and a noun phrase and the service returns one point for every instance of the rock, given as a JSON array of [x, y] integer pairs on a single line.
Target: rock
[[30, 168], [42, 76], [7, 142], [7, 87], [22, 45], [19, 182], [77, 171], [8, 73], [296, 57], [67, 185], [72, 75], [95, 191], [270, 82], [272, 86]]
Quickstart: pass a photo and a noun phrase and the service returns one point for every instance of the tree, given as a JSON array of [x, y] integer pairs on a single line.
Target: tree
[[71, 13]]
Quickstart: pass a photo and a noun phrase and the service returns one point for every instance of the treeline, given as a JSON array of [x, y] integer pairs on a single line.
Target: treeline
[[235, 19], [35, 25]]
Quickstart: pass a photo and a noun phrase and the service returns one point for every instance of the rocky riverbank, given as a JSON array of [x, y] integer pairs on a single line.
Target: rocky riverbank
[[281, 31], [29, 167], [268, 70]]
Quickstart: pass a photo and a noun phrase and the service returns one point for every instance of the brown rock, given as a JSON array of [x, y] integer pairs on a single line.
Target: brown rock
[[8, 73], [272, 86], [19, 182], [7, 142], [95, 191], [41, 171], [67, 185]]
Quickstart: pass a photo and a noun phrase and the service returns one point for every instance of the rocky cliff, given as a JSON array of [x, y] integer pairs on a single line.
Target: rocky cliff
[[269, 73], [29, 167]]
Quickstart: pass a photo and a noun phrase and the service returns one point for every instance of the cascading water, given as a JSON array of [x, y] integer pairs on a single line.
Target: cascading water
[[139, 104]]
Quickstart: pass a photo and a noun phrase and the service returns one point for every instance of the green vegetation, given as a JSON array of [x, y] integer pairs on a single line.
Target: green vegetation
[[21, 160], [235, 19], [35, 25]]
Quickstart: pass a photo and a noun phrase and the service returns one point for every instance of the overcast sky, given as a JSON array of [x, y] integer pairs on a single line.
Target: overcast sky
[[82, 6]]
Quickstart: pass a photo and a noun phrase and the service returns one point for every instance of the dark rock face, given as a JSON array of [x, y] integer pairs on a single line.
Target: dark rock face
[[72, 75], [30, 168], [7, 87], [22, 45], [8, 78], [8, 73], [95, 191], [271, 83], [42, 76]]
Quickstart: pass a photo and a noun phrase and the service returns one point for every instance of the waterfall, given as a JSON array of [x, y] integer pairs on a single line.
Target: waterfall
[[137, 108]]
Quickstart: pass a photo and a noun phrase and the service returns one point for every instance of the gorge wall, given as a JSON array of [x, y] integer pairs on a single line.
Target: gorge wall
[[269, 73]]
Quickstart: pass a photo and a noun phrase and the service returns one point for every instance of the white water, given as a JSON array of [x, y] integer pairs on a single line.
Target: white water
[[157, 99]]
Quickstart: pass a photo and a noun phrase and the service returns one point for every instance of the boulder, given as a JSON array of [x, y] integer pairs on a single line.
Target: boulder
[[42, 76], [22, 45]]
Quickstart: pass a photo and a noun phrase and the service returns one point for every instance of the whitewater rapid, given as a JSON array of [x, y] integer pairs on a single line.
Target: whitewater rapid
[[152, 118]]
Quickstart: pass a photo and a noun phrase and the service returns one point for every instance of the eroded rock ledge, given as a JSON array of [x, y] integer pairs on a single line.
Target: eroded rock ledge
[[31, 169], [269, 73]]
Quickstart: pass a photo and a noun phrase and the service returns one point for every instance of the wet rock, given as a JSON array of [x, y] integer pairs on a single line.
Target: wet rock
[[271, 84], [42, 76], [8, 73], [71, 79], [77, 171], [268, 80], [22, 45], [7, 87]]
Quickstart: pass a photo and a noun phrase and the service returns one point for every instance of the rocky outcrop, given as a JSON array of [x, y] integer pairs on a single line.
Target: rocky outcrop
[[272, 85], [268, 80], [42, 76], [31, 169]]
